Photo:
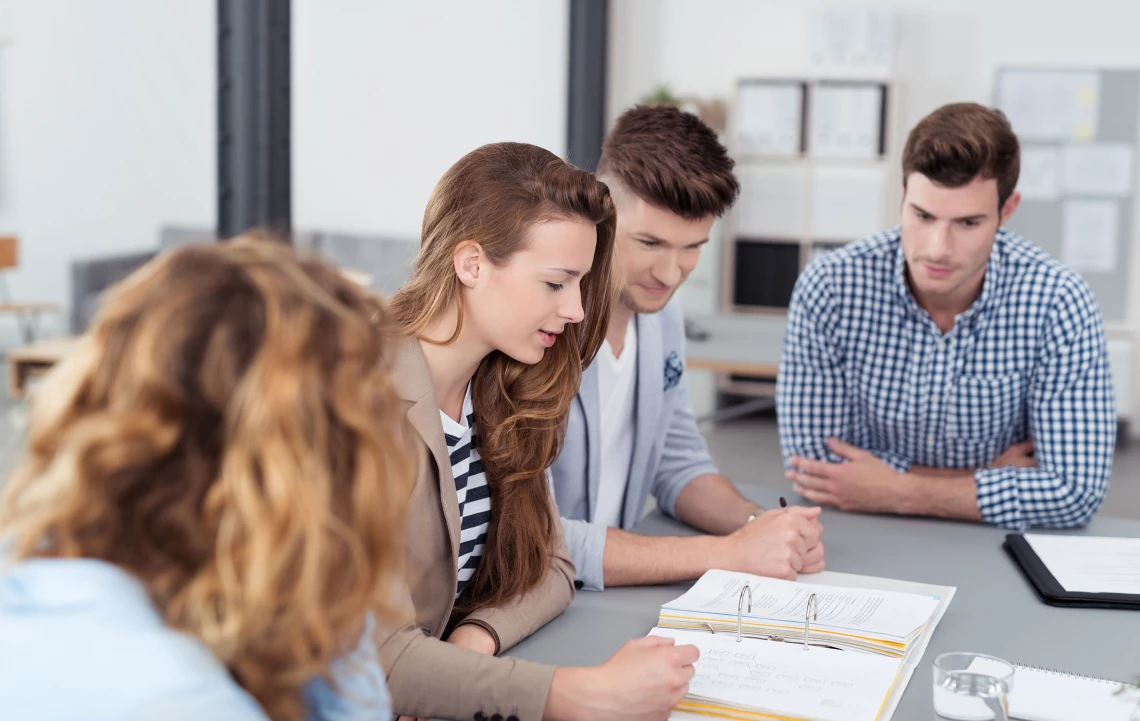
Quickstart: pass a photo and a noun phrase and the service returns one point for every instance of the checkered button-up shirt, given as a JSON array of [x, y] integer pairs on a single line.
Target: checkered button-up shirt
[[864, 363]]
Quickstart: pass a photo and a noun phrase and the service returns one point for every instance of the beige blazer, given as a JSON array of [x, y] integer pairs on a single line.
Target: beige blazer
[[426, 676]]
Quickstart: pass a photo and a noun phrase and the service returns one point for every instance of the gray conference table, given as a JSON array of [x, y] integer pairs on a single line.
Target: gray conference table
[[743, 343], [746, 344], [994, 611]]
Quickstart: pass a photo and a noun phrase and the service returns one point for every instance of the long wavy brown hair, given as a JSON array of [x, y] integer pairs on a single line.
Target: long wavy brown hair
[[226, 433], [493, 195]]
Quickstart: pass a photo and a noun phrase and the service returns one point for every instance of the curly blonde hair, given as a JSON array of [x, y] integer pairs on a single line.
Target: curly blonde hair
[[227, 433]]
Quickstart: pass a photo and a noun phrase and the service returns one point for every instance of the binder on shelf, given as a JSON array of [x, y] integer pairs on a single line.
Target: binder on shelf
[[848, 120], [771, 117]]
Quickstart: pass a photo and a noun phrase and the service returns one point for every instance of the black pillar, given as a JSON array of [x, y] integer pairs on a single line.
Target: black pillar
[[254, 177], [586, 110]]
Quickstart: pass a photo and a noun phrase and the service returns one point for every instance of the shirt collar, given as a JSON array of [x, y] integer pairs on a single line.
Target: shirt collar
[[989, 283], [60, 583]]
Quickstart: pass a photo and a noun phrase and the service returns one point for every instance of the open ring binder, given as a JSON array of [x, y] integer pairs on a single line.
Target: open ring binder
[[886, 631], [811, 612]]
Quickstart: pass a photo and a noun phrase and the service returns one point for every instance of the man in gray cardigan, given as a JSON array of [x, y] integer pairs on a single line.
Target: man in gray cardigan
[[631, 431]]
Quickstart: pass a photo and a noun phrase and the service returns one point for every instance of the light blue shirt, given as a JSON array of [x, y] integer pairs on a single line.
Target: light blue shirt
[[668, 448], [79, 638]]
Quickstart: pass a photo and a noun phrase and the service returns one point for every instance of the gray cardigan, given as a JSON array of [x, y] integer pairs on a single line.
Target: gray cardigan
[[668, 449]]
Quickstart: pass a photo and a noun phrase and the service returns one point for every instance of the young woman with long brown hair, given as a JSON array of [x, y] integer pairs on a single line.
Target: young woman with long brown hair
[[508, 300], [210, 505]]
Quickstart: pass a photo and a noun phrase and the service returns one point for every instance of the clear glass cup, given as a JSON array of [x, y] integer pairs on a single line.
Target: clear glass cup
[[971, 687]]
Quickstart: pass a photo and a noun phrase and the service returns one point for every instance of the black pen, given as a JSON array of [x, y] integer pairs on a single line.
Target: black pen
[[783, 504]]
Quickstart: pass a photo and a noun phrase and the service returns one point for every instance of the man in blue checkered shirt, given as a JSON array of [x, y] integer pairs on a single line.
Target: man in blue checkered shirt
[[948, 367]]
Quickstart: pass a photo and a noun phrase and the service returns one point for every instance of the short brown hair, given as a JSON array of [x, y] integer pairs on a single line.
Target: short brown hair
[[670, 159], [958, 142]]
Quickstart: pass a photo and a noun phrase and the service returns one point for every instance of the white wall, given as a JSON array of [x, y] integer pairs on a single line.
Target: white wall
[[945, 53], [107, 119], [387, 95], [108, 114]]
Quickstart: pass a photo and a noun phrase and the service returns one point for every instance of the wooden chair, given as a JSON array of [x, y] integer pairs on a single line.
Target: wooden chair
[[27, 314]]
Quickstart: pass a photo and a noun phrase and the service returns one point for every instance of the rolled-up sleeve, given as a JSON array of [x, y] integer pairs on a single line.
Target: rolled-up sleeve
[[1072, 414], [587, 544]]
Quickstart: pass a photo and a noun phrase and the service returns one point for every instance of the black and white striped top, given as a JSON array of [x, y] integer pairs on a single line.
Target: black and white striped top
[[470, 489]]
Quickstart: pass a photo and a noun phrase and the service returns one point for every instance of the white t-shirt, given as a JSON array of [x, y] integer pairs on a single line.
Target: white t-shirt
[[617, 384]]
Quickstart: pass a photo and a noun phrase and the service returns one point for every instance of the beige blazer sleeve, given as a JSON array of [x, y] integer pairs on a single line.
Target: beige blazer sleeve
[[428, 677], [533, 610], [431, 678]]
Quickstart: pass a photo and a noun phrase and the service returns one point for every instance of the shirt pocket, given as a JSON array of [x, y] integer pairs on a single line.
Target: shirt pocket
[[886, 403], [984, 407]]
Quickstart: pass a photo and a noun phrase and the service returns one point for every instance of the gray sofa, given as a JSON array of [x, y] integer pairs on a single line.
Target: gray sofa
[[388, 261]]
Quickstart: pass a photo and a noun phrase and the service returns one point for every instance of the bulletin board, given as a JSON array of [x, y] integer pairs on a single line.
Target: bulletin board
[[1078, 133]]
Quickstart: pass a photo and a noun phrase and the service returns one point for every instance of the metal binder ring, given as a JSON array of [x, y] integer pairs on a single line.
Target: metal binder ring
[[811, 611], [739, 605]]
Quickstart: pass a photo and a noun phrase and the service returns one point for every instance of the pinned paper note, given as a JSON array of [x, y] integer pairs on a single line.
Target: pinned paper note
[[1089, 238], [1051, 105], [1098, 169], [1040, 177]]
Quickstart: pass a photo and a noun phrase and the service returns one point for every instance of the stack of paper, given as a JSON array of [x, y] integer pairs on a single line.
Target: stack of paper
[[872, 620], [758, 679]]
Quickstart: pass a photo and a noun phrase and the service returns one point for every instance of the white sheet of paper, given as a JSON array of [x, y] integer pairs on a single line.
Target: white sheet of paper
[[846, 121], [820, 683], [1044, 105], [882, 613], [773, 201], [849, 202], [769, 118], [1098, 169], [1090, 564], [1089, 235], [1039, 695], [1040, 177]]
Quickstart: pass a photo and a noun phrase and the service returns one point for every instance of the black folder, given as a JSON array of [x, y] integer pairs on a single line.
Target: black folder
[[1052, 592]]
